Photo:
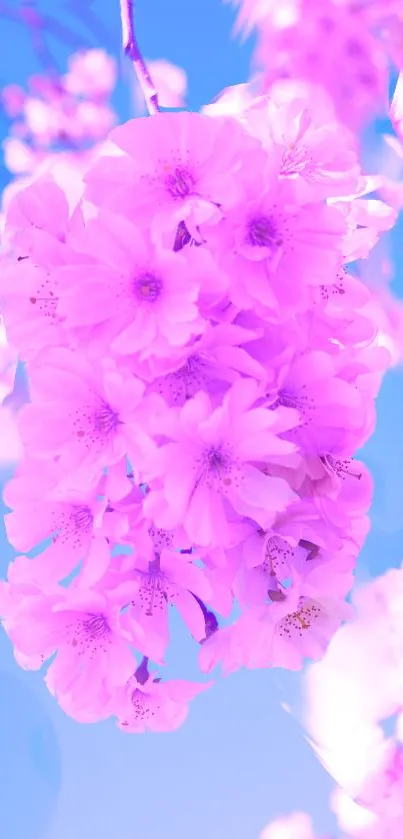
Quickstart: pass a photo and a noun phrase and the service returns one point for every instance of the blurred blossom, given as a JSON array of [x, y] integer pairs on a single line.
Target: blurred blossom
[[92, 74], [68, 113]]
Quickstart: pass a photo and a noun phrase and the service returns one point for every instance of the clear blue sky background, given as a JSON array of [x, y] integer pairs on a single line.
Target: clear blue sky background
[[240, 760]]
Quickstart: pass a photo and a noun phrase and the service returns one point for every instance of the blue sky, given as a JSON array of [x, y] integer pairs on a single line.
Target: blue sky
[[240, 760]]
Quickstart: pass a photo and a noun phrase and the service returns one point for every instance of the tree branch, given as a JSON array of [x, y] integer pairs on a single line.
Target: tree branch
[[131, 49]]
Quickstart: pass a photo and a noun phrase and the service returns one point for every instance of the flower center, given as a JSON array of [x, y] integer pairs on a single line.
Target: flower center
[[179, 183], [342, 467], [148, 288], [262, 233], [89, 634], [97, 626], [153, 595], [106, 419], [82, 518], [296, 623]]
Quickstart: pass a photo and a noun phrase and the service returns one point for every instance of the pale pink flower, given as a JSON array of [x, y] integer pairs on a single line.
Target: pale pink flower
[[295, 826], [92, 73], [18, 156], [382, 790]]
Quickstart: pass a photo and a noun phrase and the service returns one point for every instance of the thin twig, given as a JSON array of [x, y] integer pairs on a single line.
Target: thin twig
[[33, 20], [131, 49], [40, 24], [81, 9]]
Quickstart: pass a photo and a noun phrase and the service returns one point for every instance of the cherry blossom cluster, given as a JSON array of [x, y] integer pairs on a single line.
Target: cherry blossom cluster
[[341, 49], [203, 366], [67, 113]]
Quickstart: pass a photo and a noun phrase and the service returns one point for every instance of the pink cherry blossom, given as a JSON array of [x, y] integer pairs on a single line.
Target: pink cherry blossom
[[217, 455], [82, 627], [321, 153], [266, 235], [141, 297], [145, 703], [74, 521], [191, 163], [168, 579], [87, 413]]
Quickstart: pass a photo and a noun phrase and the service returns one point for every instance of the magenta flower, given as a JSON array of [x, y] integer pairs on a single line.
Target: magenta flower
[[211, 364], [263, 240], [37, 222], [217, 450], [81, 626], [313, 384], [29, 298], [151, 587], [145, 703], [88, 418], [75, 523], [182, 167], [282, 634], [138, 298]]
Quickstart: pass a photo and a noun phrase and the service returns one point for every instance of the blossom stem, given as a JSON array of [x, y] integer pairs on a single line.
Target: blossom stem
[[131, 49], [210, 620]]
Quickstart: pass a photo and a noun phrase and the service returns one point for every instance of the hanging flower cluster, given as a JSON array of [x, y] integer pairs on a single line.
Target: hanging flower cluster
[[202, 372]]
